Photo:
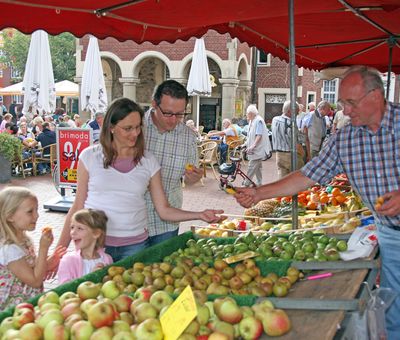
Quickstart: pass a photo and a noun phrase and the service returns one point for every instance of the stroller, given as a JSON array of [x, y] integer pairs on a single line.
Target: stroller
[[229, 171]]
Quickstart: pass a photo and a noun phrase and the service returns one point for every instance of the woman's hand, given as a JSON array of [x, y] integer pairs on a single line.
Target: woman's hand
[[246, 197], [53, 261], [211, 215]]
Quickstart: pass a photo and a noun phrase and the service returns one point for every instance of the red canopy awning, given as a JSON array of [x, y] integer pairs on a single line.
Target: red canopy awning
[[327, 32]]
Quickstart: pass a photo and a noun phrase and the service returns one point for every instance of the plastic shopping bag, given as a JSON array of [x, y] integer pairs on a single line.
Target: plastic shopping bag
[[380, 300]]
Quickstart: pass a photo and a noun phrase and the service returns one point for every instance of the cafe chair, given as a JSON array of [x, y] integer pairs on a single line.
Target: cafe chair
[[20, 163], [208, 156], [46, 155]]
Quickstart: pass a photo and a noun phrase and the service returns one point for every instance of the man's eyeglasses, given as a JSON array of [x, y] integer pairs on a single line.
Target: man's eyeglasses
[[353, 102], [169, 114]]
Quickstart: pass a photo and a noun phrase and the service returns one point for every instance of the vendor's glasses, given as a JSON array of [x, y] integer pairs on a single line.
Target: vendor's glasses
[[353, 102], [170, 114]]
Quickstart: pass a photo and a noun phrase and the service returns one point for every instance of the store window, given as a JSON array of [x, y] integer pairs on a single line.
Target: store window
[[330, 91]]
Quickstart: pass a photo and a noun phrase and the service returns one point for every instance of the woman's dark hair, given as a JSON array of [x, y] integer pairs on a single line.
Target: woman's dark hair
[[170, 88], [118, 110]]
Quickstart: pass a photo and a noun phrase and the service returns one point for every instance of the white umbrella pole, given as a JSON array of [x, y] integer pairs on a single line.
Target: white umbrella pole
[[197, 111]]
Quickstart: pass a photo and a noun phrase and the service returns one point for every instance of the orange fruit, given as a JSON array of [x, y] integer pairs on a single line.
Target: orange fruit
[[336, 192], [311, 205], [340, 199], [333, 201], [324, 199]]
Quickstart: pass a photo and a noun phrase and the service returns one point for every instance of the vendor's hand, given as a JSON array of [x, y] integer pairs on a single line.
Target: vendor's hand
[[391, 204], [212, 216], [193, 175], [54, 260], [246, 197]]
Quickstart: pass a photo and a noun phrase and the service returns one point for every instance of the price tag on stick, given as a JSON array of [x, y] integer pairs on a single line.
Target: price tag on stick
[[179, 315]]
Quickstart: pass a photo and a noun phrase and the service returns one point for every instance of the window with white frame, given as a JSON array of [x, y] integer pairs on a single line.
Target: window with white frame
[[330, 90], [1, 73], [17, 99], [263, 58], [14, 73]]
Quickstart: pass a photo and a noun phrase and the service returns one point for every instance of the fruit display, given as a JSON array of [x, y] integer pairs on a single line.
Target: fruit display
[[216, 279], [323, 209], [299, 246], [98, 317]]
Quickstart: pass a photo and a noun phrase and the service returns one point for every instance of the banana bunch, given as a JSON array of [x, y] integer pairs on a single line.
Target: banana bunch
[[350, 225], [354, 203]]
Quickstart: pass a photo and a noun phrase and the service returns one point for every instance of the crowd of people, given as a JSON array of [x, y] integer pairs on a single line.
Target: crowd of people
[[129, 193]]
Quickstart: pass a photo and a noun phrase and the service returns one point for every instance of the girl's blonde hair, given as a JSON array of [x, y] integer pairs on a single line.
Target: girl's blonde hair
[[10, 199], [95, 220]]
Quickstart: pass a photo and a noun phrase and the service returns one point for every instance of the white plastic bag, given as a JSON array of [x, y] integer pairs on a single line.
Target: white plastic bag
[[361, 243]]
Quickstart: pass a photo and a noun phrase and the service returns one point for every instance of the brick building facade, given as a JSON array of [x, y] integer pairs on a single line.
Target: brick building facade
[[133, 70]]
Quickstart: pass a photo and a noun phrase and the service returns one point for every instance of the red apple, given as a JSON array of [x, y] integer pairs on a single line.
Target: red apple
[[31, 331], [88, 290], [143, 293], [103, 333], [145, 311], [82, 330], [149, 329], [275, 322], [123, 302], [101, 314], [160, 299], [50, 296], [250, 328], [71, 308], [24, 305], [22, 317], [55, 331], [229, 311]]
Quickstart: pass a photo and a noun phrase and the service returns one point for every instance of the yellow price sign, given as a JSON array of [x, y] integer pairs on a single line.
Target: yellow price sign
[[72, 175], [179, 315]]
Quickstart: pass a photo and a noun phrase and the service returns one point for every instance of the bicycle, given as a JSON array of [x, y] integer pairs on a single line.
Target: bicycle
[[229, 172]]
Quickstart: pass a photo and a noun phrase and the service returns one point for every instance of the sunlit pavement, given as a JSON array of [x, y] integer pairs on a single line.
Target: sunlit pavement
[[195, 197]]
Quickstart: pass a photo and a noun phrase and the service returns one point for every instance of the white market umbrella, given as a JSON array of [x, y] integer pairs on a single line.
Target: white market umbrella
[[199, 83], [38, 84], [93, 89], [12, 90], [66, 88]]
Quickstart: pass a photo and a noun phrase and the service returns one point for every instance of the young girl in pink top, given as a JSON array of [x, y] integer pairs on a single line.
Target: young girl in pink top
[[88, 230]]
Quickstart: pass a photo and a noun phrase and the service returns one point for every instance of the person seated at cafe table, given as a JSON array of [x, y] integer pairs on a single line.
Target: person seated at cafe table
[[192, 126], [229, 134]]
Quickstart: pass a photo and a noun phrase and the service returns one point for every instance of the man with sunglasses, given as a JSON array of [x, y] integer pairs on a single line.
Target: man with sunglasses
[[367, 151], [174, 145]]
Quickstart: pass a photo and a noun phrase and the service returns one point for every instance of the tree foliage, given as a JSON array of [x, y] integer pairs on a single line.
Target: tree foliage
[[62, 49]]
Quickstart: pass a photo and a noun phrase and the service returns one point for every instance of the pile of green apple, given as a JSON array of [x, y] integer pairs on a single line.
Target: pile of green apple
[[299, 246], [96, 312], [219, 278]]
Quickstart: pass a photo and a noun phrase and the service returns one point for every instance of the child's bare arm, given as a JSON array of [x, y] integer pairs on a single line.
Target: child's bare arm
[[33, 277]]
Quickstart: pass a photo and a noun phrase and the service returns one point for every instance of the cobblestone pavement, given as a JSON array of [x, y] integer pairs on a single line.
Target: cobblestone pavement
[[195, 197]]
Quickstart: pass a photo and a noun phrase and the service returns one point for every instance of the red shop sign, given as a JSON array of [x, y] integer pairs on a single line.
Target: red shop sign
[[70, 143]]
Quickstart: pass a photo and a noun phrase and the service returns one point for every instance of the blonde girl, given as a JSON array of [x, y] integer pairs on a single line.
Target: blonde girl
[[88, 231], [21, 272]]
